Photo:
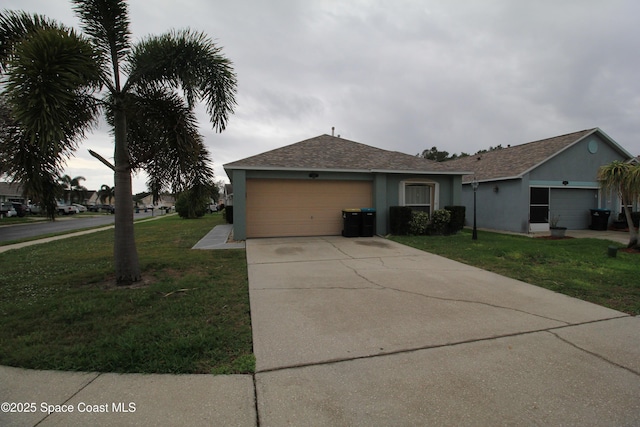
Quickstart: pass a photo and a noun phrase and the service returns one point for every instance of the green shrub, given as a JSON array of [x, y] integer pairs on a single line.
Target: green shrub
[[190, 205], [440, 221], [399, 219], [457, 218], [419, 224], [227, 214]]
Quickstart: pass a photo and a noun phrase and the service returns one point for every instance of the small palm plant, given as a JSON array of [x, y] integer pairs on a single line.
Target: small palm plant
[[556, 231], [624, 179]]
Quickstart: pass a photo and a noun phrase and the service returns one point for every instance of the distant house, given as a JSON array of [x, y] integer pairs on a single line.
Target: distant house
[[91, 198], [165, 201], [11, 192], [301, 189], [522, 187], [227, 198]]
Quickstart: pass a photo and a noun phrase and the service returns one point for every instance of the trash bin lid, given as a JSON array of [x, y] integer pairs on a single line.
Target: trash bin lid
[[368, 209], [601, 210], [351, 210]]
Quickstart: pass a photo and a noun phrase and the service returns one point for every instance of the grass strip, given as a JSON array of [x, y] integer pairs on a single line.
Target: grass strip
[[579, 268], [61, 311]]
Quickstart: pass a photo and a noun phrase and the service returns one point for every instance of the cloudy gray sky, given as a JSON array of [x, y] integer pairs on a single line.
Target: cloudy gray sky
[[405, 75]]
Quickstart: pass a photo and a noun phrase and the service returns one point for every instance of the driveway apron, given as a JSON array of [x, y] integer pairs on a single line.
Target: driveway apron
[[366, 331]]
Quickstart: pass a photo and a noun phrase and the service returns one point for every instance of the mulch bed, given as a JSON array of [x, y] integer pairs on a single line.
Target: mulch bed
[[629, 250]]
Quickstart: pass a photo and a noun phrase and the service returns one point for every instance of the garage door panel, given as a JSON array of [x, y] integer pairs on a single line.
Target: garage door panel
[[301, 207], [572, 206]]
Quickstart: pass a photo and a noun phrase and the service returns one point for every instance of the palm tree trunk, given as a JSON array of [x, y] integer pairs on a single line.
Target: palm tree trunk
[[126, 261], [633, 234]]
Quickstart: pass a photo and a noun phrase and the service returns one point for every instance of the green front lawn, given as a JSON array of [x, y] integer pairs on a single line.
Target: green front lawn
[[576, 267], [60, 309]]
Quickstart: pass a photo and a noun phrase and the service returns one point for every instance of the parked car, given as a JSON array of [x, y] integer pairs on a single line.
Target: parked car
[[66, 209], [20, 209], [102, 208], [7, 210], [80, 208], [35, 209]]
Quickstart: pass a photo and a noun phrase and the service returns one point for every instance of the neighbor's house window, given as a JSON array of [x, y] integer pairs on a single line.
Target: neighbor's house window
[[418, 195]]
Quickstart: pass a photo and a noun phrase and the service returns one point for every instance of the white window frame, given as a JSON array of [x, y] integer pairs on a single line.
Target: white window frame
[[434, 202]]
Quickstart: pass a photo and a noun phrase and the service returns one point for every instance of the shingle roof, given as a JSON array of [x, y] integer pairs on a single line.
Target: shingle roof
[[327, 152], [515, 161], [10, 189]]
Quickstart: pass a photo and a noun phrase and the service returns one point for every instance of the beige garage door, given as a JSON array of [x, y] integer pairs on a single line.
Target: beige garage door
[[283, 207]]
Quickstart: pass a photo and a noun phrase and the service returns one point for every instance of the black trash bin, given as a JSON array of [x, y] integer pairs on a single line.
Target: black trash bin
[[368, 222], [351, 222], [600, 219]]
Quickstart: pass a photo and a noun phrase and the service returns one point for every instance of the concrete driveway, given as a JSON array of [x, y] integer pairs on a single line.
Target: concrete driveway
[[366, 331]]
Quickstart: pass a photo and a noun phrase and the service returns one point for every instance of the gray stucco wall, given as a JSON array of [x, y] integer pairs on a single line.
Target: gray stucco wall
[[386, 191], [449, 187], [500, 205], [576, 165], [239, 181]]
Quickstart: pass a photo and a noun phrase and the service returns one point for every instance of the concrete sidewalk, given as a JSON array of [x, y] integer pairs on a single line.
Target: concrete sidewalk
[[52, 398], [614, 236], [369, 332], [217, 239]]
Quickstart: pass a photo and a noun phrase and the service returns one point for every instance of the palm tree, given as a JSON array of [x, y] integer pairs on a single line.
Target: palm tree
[[72, 188], [106, 193], [78, 192], [58, 81], [624, 179]]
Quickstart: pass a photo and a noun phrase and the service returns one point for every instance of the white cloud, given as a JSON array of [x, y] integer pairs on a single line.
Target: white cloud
[[406, 75]]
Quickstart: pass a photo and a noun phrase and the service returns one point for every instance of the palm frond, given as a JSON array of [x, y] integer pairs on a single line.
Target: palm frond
[[189, 61], [49, 87], [162, 138], [50, 78], [106, 22], [36, 168], [15, 26], [615, 177], [634, 180]]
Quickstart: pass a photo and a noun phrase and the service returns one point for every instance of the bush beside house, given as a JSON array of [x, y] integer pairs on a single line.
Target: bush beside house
[[399, 218], [190, 205], [405, 220], [227, 214], [457, 218]]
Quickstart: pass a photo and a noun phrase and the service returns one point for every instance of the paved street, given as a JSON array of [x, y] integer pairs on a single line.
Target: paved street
[[61, 224]]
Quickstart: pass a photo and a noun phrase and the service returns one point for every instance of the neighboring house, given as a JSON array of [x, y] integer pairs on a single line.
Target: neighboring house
[[522, 187], [301, 189], [94, 199], [227, 199], [90, 198], [164, 201], [11, 192]]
